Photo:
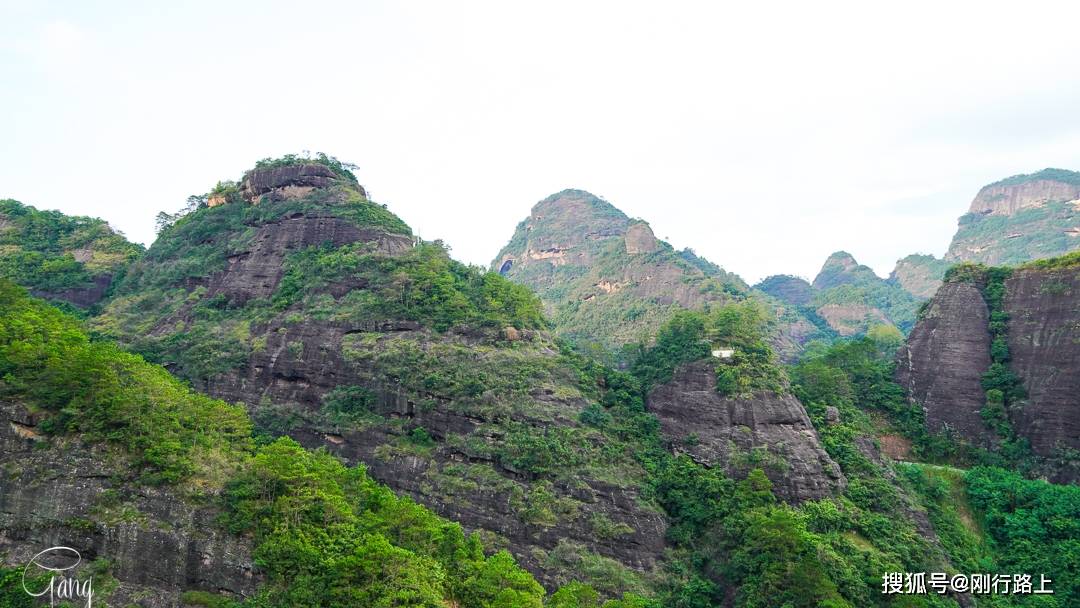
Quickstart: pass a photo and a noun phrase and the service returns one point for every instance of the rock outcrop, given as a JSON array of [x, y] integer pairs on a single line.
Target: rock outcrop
[[290, 181], [944, 360], [640, 239], [1011, 196], [1044, 349], [1019, 219], [942, 363], [766, 430], [59, 492]]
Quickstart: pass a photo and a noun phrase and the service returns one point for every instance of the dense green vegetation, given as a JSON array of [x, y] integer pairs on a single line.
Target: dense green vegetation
[[1057, 175], [690, 336], [38, 249], [95, 388], [326, 534], [1029, 234], [1033, 526], [340, 168], [733, 540], [422, 284], [991, 520]]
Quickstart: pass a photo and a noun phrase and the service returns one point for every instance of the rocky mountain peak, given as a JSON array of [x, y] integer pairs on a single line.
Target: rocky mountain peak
[[1019, 219], [288, 177], [1010, 196]]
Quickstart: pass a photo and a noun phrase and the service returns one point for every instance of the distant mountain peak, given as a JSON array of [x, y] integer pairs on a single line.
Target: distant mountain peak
[[841, 268], [604, 277], [1020, 218]]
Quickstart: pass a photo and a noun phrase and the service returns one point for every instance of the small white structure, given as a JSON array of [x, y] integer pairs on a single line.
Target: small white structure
[[723, 352]]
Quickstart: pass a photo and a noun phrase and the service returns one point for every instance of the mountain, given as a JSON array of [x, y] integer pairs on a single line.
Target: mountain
[[919, 274], [845, 297], [335, 412], [61, 258], [603, 277], [157, 496], [1012, 221], [1021, 218], [332, 323], [993, 360]]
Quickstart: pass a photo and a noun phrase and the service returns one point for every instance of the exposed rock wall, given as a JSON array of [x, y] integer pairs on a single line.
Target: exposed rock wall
[[726, 432], [1044, 346], [942, 363], [158, 543], [1008, 199]]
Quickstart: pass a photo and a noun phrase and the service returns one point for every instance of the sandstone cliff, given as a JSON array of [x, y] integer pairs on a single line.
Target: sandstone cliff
[[766, 430], [943, 363], [1022, 218], [154, 543]]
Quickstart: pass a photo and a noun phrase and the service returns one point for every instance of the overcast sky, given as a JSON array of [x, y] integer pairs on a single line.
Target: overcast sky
[[763, 135]]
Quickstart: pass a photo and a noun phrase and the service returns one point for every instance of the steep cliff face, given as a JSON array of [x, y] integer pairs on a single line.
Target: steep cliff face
[[943, 364], [322, 313], [59, 257], [152, 542], [603, 277], [766, 430], [1022, 218], [1044, 348]]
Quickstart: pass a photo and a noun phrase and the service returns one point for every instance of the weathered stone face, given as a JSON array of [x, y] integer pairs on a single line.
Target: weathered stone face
[[1006, 199], [292, 181], [942, 363], [719, 431], [256, 272], [640, 239], [1044, 349], [53, 497], [83, 297]]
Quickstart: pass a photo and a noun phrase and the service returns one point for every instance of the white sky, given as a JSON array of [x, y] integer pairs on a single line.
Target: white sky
[[763, 135]]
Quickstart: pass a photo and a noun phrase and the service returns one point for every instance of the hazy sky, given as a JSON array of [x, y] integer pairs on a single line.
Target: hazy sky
[[763, 135]]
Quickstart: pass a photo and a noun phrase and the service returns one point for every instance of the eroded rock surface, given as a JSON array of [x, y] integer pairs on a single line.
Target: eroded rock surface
[[942, 363], [767, 429], [69, 494]]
